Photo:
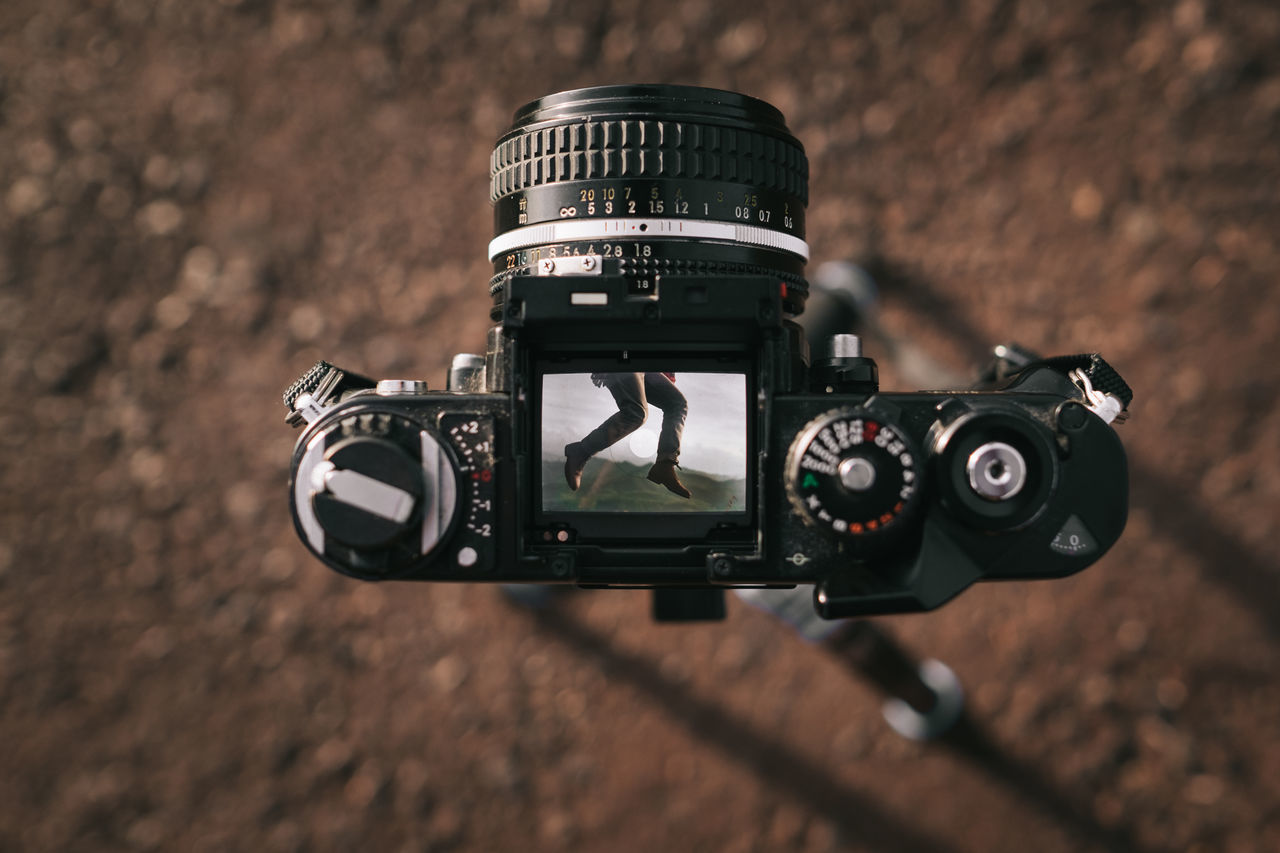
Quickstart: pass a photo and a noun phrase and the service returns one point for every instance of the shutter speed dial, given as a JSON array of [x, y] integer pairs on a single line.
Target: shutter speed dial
[[853, 473]]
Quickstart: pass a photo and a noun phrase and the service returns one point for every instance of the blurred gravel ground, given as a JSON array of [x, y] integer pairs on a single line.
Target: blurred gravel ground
[[198, 199]]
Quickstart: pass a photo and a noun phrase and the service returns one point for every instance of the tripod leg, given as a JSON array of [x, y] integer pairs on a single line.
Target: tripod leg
[[923, 700]]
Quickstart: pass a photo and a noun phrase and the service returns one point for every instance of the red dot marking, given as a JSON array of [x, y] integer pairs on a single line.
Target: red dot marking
[[486, 475], [869, 430]]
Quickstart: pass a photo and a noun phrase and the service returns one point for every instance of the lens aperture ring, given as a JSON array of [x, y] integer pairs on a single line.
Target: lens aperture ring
[[657, 267]]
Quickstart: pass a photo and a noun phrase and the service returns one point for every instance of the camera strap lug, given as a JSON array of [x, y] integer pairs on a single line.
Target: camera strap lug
[[308, 398], [306, 408], [1106, 406], [1100, 387]]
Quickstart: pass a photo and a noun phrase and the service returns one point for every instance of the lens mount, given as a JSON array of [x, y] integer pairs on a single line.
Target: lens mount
[[656, 181]]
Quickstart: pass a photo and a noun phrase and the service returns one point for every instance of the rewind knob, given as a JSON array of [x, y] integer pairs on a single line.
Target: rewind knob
[[375, 492]]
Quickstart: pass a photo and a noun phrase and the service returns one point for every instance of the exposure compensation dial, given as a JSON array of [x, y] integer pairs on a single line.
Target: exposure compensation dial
[[854, 474]]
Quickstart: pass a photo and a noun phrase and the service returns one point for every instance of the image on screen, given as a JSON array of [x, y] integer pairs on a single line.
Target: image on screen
[[644, 442]]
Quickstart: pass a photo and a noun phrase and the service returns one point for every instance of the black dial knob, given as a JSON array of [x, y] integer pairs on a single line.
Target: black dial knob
[[375, 492], [856, 475]]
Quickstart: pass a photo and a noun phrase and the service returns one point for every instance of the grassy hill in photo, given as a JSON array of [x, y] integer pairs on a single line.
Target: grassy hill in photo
[[611, 486]]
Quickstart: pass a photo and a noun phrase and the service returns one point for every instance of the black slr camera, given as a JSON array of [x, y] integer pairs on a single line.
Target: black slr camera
[[647, 413]]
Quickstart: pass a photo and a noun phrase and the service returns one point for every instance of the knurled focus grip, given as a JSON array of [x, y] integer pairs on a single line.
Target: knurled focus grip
[[587, 150]]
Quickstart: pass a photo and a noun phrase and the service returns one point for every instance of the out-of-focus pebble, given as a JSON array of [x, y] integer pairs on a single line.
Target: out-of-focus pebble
[[160, 173], [1132, 635], [1204, 789], [38, 155], [1171, 693], [114, 202], [879, 118], [173, 311], [306, 323], [278, 565], [160, 218], [448, 674], [1205, 53], [27, 195], [1086, 202], [243, 501], [84, 134], [741, 40]]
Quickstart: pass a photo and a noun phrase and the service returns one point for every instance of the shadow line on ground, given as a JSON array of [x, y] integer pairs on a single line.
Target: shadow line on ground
[[858, 816]]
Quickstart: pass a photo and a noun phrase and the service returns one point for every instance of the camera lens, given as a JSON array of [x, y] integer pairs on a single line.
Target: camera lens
[[652, 181]]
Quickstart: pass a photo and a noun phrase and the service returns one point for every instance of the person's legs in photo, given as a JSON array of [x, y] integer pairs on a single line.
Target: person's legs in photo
[[660, 390], [628, 390]]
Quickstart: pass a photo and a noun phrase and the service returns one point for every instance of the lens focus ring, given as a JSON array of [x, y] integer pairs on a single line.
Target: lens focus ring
[[594, 150]]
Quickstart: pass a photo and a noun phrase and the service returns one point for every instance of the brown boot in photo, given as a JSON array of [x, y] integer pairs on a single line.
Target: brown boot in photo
[[575, 459], [664, 474]]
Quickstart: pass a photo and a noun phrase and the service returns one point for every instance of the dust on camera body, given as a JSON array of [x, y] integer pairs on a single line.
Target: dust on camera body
[[647, 413]]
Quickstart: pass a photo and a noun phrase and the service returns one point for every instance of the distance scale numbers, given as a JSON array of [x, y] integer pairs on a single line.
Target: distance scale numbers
[[472, 437], [710, 200]]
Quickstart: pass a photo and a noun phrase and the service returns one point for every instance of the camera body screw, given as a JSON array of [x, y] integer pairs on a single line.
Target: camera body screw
[[546, 266]]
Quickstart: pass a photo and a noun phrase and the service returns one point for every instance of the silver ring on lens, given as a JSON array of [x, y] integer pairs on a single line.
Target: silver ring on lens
[[544, 233]]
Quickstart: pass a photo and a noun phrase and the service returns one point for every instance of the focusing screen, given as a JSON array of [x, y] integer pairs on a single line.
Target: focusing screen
[[644, 442]]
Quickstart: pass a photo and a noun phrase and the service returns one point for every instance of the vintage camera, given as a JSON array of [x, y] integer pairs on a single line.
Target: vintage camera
[[647, 414]]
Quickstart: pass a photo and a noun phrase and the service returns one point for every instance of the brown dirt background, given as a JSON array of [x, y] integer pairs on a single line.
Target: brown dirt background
[[198, 199]]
